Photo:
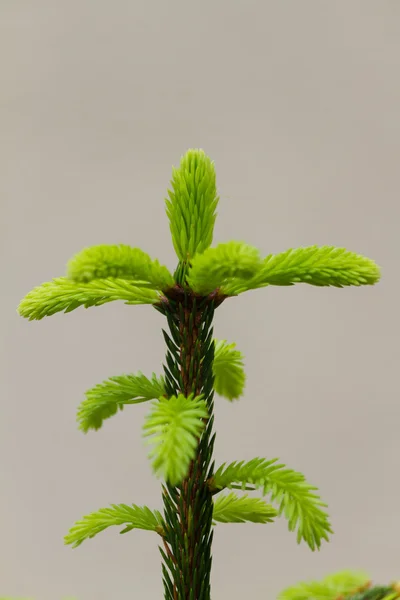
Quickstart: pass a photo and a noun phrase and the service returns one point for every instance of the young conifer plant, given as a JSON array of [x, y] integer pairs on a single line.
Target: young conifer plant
[[196, 494]]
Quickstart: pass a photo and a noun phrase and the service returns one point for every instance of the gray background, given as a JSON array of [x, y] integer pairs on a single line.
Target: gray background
[[298, 104]]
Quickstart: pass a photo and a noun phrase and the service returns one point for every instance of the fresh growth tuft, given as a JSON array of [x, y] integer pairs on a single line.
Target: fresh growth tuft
[[175, 424], [120, 261], [192, 204]]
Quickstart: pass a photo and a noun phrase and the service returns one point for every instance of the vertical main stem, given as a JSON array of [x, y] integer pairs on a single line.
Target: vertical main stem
[[188, 507]]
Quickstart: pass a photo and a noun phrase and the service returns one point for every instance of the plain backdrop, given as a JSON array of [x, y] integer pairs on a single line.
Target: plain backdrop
[[298, 105]]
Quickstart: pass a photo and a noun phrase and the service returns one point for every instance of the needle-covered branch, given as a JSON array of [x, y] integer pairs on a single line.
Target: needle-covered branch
[[106, 398], [63, 295], [296, 499], [235, 267], [231, 508], [319, 266], [133, 517]]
